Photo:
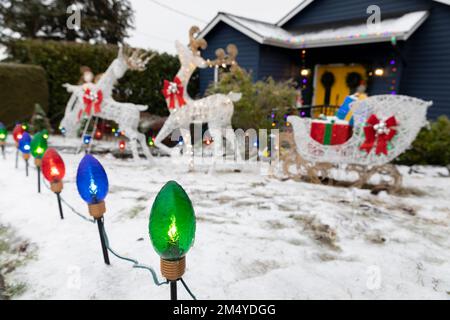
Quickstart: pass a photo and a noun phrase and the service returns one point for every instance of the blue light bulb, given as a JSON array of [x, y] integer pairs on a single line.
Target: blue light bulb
[[87, 139], [24, 143], [92, 181]]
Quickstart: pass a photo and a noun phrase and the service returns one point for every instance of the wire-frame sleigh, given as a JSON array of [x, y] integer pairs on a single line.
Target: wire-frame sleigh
[[384, 127]]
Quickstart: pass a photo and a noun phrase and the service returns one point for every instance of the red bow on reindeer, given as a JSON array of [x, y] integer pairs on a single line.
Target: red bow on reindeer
[[379, 133], [90, 100], [174, 90]]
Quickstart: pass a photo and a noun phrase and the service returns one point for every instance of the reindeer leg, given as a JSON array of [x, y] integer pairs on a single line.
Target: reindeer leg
[[133, 146], [141, 139], [163, 133]]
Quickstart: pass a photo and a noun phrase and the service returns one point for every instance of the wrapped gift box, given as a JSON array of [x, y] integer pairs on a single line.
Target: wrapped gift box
[[331, 131]]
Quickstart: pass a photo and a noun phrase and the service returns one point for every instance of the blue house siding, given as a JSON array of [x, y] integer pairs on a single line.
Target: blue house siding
[[220, 37], [278, 63], [427, 55], [322, 12]]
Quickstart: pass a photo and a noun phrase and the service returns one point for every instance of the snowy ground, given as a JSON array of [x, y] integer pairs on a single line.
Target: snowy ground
[[257, 238]]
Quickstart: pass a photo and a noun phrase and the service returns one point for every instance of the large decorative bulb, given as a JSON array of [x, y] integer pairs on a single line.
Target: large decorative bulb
[[38, 145], [92, 181], [24, 143], [172, 222], [53, 167]]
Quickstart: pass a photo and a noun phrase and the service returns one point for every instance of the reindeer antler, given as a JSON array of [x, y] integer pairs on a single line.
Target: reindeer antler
[[194, 43], [137, 59]]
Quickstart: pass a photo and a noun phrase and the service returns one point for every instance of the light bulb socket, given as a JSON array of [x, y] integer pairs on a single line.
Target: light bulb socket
[[38, 162], [2, 143], [17, 144], [173, 270], [56, 187], [26, 156], [97, 210]]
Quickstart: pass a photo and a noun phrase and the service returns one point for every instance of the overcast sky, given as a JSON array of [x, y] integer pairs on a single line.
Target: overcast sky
[[158, 27]]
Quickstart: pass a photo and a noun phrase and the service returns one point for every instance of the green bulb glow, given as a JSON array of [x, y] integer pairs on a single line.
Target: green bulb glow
[[3, 134], [38, 145], [172, 222]]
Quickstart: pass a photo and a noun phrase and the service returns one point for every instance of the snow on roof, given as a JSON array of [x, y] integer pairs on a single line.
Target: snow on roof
[[266, 33], [305, 3]]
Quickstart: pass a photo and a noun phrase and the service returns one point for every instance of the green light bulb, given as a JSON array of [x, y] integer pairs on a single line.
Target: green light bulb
[[172, 222], [3, 134], [38, 145]]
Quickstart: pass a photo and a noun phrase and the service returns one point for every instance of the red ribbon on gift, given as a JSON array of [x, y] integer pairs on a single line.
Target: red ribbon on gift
[[90, 101], [174, 90], [378, 134]]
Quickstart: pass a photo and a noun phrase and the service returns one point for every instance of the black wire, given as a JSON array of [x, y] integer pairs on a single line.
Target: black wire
[[136, 263], [187, 289], [70, 207]]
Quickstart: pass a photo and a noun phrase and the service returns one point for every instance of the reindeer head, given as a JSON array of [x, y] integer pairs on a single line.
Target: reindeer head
[[190, 56], [129, 59]]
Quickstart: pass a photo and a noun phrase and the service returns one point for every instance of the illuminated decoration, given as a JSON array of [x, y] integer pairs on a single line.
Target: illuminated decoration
[[304, 72], [18, 132], [216, 110], [126, 115], [92, 185], [45, 134], [54, 170], [98, 134], [151, 141], [87, 139], [410, 114], [3, 136], [38, 147], [379, 72], [25, 148], [172, 230], [122, 145]]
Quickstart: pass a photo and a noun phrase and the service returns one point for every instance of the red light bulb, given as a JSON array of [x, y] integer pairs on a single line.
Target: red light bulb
[[53, 167], [122, 145], [18, 132]]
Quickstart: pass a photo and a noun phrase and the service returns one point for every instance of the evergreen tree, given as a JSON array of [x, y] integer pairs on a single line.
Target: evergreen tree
[[39, 120], [102, 21]]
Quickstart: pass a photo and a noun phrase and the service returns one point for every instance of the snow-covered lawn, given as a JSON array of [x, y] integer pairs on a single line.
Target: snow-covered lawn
[[257, 238]]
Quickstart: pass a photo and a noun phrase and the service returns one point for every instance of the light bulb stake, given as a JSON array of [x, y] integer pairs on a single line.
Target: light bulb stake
[[173, 270], [26, 157], [97, 210], [2, 145], [56, 187], [38, 163], [17, 154]]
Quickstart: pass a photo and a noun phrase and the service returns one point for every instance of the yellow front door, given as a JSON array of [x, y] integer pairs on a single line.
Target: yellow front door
[[331, 86]]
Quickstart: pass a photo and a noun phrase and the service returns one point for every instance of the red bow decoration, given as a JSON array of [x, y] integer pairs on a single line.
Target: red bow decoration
[[90, 100], [174, 90], [380, 133]]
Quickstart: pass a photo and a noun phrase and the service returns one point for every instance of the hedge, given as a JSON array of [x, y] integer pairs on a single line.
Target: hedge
[[21, 87], [431, 147], [62, 62]]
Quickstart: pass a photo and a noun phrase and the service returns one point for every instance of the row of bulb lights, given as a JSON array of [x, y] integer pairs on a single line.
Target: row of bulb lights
[[172, 220]]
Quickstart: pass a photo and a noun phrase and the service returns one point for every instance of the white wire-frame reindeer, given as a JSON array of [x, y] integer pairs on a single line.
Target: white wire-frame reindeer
[[126, 115], [215, 110]]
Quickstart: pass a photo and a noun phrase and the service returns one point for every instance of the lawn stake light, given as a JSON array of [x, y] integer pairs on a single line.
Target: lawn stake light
[[17, 135], [3, 135], [92, 184], [25, 148], [172, 231], [38, 148], [122, 146], [53, 169]]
